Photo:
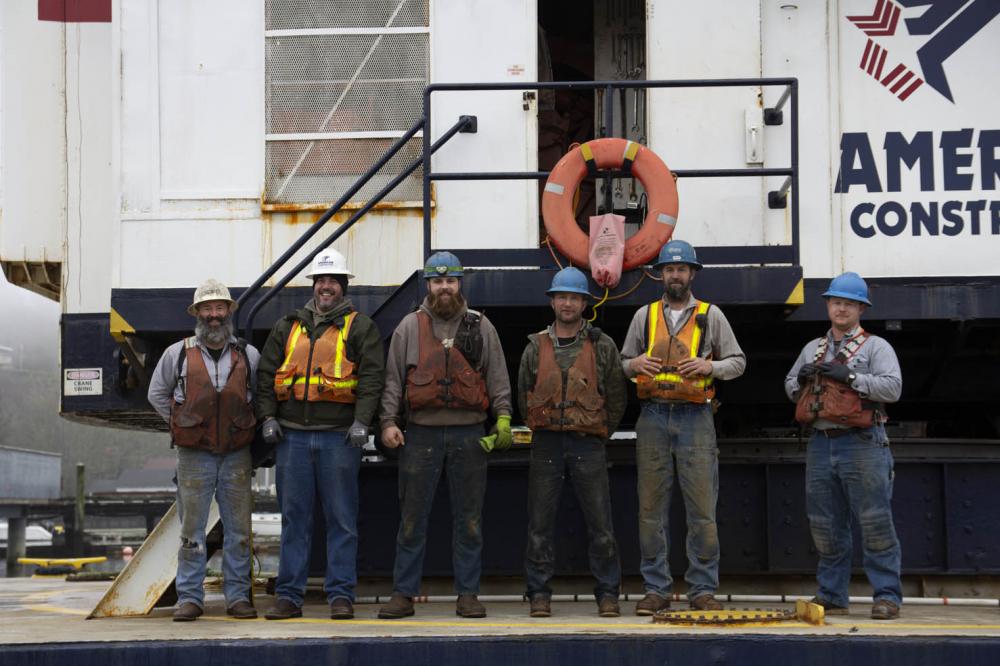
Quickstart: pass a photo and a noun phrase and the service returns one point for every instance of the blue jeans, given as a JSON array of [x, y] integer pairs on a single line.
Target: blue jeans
[[321, 463], [427, 451], [200, 475], [584, 457], [850, 478], [677, 436]]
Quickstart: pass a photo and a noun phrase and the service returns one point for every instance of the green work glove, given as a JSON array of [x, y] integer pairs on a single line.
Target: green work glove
[[504, 436], [488, 442]]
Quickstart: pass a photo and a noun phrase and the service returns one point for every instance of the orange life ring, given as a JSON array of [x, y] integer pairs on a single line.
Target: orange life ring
[[557, 199]]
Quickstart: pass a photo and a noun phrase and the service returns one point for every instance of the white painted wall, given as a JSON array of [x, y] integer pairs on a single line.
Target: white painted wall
[[33, 71]]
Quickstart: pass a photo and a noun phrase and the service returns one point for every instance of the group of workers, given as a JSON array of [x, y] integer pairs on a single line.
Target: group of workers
[[322, 379]]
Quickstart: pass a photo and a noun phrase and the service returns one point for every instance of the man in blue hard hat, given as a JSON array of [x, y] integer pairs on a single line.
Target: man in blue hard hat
[[445, 373], [571, 392], [676, 349], [841, 383]]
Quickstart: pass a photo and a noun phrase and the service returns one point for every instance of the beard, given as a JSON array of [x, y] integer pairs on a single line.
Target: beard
[[446, 308], [214, 336], [677, 291]]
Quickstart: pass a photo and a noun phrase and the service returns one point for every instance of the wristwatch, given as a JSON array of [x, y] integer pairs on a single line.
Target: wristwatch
[[850, 379]]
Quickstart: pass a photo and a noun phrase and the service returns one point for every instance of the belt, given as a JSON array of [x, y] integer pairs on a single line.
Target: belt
[[833, 433]]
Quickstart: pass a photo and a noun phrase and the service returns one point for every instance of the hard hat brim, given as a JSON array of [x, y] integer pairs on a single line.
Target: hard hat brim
[[832, 293], [567, 290], [661, 264], [349, 276], [193, 308]]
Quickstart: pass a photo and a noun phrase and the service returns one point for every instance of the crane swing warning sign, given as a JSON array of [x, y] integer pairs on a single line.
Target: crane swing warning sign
[[82, 381]]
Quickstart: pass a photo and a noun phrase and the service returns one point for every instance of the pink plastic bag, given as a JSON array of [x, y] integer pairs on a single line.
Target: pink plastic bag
[[607, 249]]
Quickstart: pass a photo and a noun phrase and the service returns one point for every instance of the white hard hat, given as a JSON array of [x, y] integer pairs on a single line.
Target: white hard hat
[[210, 290], [329, 262]]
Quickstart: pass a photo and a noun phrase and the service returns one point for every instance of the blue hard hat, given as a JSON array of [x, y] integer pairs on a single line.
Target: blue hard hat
[[569, 280], [850, 286], [677, 252], [443, 264]]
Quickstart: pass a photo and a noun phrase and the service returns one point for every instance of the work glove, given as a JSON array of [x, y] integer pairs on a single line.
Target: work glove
[[836, 371], [271, 430], [500, 436], [357, 436], [807, 371]]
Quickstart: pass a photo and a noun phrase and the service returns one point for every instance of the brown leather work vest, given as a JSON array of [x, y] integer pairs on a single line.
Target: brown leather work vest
[[319, 372], [669, 384], [218, 421], [575, 405], [443, 378], [830, 400]]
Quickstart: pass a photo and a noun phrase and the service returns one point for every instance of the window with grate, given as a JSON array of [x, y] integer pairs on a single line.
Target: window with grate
[[344, 80]]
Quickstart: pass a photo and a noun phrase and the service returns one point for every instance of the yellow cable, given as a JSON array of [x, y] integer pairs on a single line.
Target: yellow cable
[[599, 304]]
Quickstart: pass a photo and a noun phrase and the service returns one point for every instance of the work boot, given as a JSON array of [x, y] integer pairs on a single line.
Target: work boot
[[828, 607], [187, 612], [608, 607], [883, 609], [705, 602], [283, 609], [242, 610], [651, 603], [541, 606], [341, 609], [467, 605], [398, 606]]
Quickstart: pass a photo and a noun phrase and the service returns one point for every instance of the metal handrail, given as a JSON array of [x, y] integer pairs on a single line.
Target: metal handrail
[[330, 212], [791, 93], [463, 123]]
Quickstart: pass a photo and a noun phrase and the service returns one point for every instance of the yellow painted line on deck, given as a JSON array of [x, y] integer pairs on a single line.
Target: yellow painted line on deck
[[48, 608]]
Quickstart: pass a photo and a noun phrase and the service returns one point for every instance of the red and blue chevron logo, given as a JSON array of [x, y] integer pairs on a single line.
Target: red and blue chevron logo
[[947, 24]]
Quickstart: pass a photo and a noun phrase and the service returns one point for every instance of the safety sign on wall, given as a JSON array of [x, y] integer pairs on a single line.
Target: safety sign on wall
[[82, 381]]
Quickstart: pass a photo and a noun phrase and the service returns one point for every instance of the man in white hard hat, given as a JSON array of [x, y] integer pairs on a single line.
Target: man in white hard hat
[[203, 387], [841, 383], [321, 374]]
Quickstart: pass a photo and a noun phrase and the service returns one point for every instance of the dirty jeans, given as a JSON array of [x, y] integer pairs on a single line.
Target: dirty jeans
[[850, 478], [553, 454], [311, 464], [428, 450], [681, 437], [200, 475]]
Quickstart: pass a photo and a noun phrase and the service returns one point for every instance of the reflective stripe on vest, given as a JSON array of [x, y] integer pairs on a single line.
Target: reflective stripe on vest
[[338, 361], [671, 377]]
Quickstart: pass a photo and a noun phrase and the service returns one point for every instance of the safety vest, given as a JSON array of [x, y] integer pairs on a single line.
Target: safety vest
[[443, 378], [317, 371], [827, 399], [575, 405], [668, 384], [219, 421]]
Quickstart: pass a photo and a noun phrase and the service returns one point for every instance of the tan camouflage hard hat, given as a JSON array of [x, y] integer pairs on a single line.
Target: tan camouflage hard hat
[[210, 290]]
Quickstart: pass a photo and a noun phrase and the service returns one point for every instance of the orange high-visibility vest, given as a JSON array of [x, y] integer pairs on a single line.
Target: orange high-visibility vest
[[668, 384], [319, 372], [574, 405]]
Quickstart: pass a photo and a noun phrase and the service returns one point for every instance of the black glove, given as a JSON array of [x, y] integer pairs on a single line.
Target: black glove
[[357, 436], [807, 371], [836, 371], [271, 430]]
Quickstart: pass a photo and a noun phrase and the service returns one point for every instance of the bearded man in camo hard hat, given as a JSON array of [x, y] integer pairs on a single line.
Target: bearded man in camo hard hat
[[445, 373], [203, 387], [320, 380]]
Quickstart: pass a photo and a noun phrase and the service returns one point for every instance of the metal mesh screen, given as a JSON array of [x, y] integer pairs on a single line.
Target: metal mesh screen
[[345, 83], [324, 169], [292, 14], [322, 84]]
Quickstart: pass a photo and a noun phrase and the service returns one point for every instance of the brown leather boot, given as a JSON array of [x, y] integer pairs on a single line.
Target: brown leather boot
[[541, 606], [468, 605], [242, 610], [283, 609], [398, 607], [706, 602], [651, 603], [883, 609], [341, 609], [608, 607], [187, 612]]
